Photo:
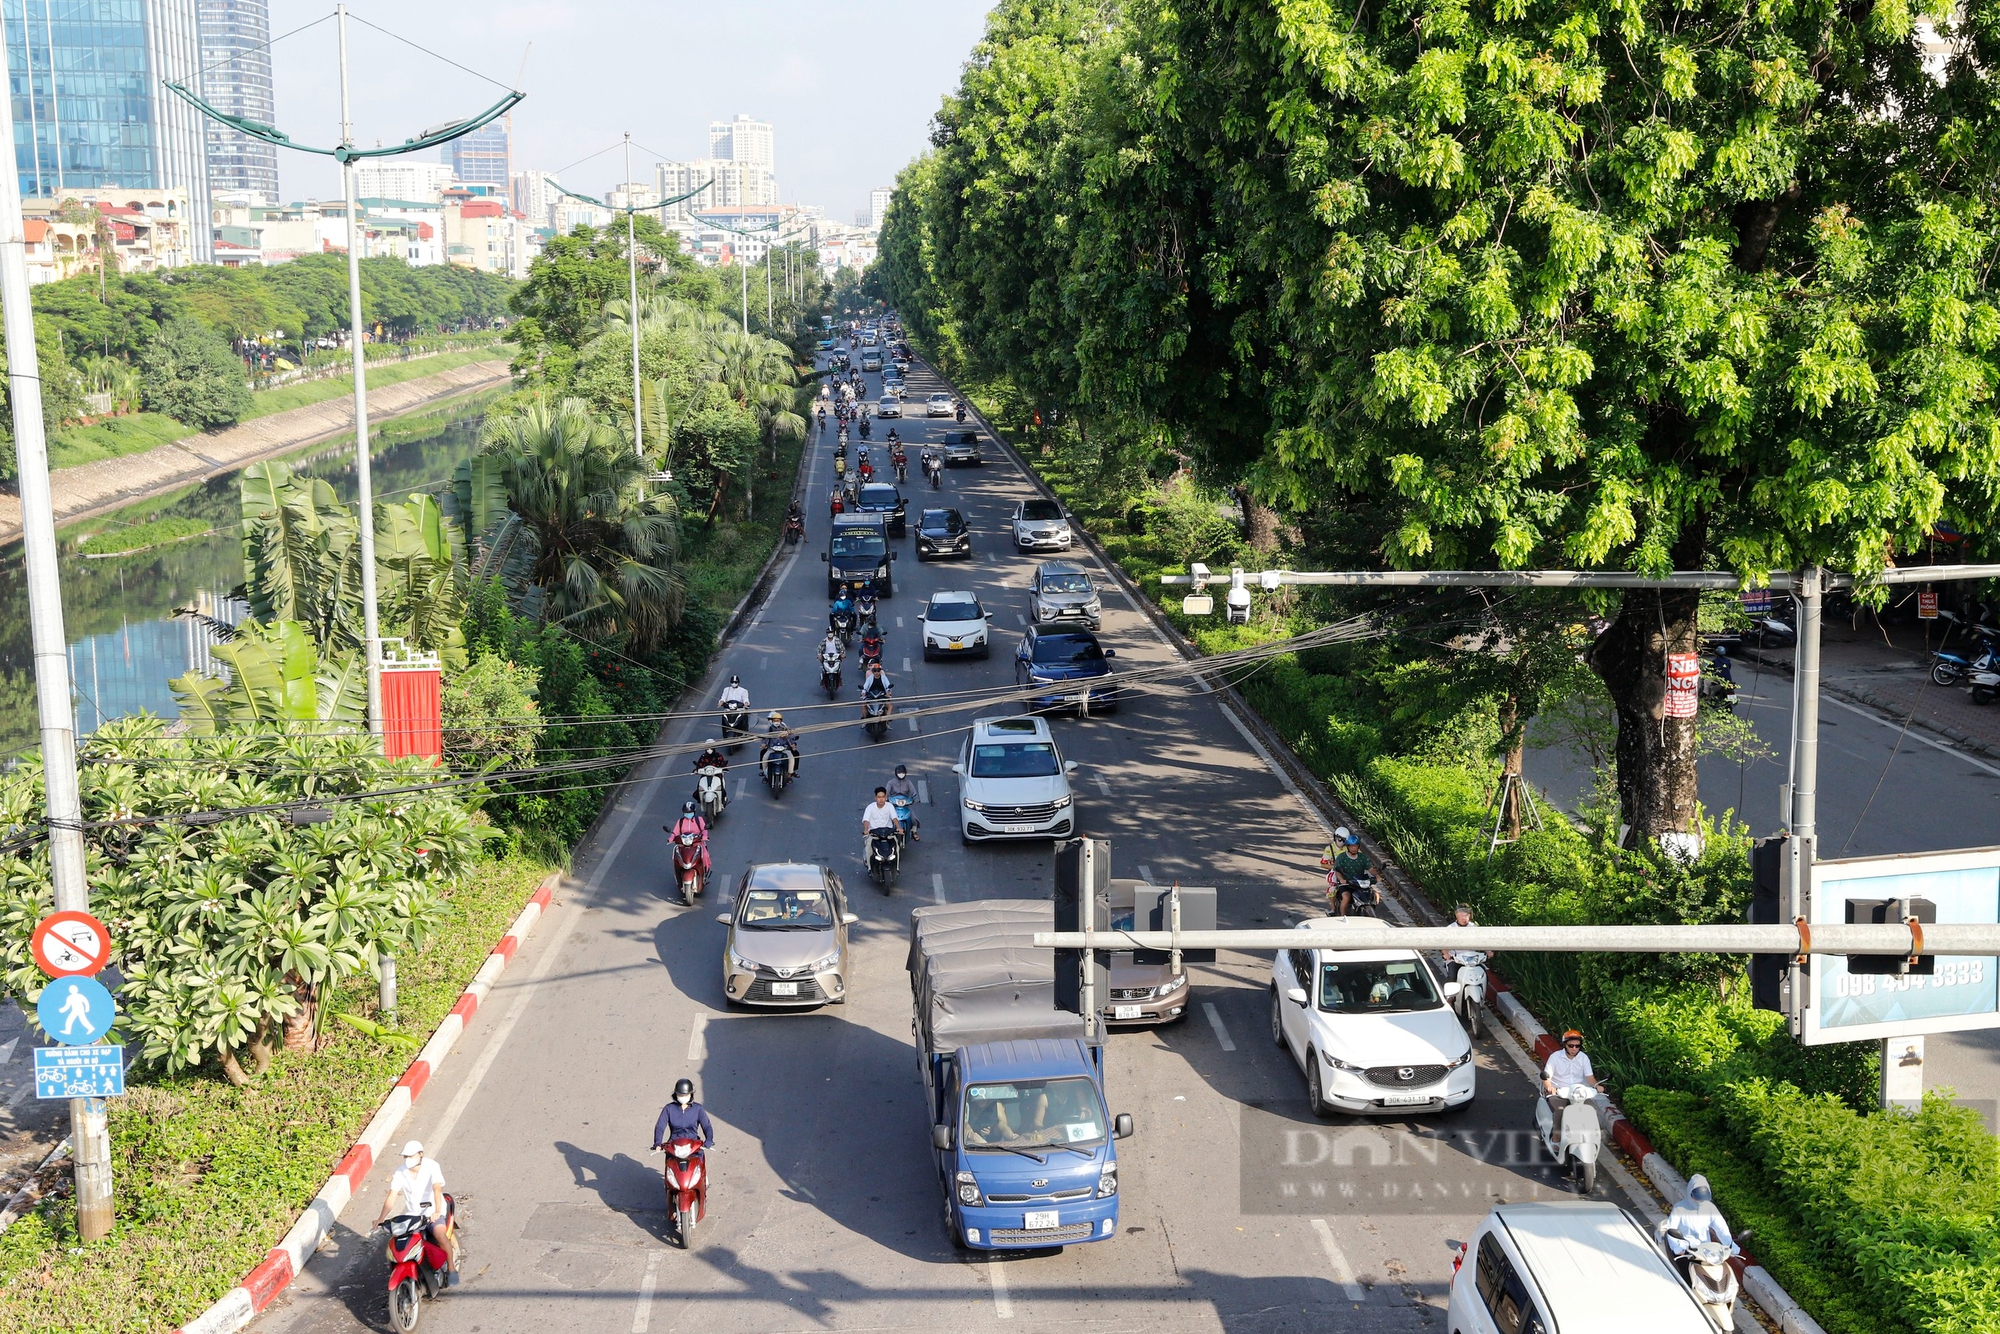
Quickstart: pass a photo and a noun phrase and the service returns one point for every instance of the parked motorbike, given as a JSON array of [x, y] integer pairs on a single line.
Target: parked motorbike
[[711, 792], [795, 529], [687, 1186], [885, 857], [777, 762], [418, 1268], [1770, 632], [688, 874], [876, 712], [1582, 1140], [1471, 981]]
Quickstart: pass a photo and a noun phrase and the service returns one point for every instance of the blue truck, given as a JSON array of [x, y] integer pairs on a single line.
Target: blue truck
[[1023, 1140]]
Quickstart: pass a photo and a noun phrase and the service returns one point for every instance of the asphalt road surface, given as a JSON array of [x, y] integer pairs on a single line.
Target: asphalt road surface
[[1240, 1212]]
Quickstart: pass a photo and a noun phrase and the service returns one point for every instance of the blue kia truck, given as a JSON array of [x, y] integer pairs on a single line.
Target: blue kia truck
[[1024, 1142]]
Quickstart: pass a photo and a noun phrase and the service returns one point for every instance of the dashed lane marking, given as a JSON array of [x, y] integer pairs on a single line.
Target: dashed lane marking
[[644, 1315], [937, 886], [1146, 874], [1003, 1304], [924, 791], [698, 1038], [906, 666], [1215, 1022], [1103, 787], [1342, 1274], [913, 724]]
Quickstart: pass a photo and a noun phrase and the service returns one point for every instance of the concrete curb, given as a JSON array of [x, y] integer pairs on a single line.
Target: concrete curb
[[1757, 1281], [287, 1260]]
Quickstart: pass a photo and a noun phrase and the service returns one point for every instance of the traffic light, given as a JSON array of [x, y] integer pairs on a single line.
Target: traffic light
[[1767, 907], [1891, 912], [1083, 874]]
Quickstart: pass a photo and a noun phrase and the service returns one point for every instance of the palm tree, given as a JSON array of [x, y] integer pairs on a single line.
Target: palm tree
[[758, 374], [603, 548]]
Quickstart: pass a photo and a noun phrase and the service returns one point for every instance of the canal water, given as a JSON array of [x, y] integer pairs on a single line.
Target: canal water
[[125, 641]]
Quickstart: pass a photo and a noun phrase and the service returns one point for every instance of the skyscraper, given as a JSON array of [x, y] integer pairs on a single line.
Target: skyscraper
[[878, 203], [90, 106], [744, 140], [481, 158], [236, 79]]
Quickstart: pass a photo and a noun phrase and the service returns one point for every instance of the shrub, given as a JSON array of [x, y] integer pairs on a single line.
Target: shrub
[[189, 373]]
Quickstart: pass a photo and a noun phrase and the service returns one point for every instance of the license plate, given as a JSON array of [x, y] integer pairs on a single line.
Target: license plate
[[1124, 1012], [957, 644], [784, 988], [1408, 1099], [1047, 1218], [1014, 829]]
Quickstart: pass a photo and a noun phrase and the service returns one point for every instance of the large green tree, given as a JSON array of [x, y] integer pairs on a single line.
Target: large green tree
[[189, 373], [1631, 286]]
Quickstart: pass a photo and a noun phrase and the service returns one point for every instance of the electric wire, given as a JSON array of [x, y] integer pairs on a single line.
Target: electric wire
[[417, 46]]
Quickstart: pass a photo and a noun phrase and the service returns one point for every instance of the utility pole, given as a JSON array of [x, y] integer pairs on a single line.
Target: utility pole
[[90, 1137], [371, 629], [632, 269]]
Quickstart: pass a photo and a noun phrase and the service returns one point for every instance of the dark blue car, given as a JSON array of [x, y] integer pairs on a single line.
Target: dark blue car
[[1059, 656]]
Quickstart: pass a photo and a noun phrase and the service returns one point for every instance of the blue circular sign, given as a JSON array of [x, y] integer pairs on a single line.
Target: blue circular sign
[[75, 1011]]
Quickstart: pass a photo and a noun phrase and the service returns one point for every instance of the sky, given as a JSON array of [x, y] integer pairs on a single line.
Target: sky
[[849, 90]]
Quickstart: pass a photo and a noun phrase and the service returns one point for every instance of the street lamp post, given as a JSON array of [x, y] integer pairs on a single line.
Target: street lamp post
[[371, 628], [632, 311]]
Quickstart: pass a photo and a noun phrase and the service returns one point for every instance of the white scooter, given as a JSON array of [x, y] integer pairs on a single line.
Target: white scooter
[[1582, 1134], [1713, 1281], [710, 791], [1471, 993]]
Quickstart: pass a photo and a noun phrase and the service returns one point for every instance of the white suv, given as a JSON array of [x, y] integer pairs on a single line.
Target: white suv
[[955, 623], [1567, 1264], [1368, 1022], [1013, 782]]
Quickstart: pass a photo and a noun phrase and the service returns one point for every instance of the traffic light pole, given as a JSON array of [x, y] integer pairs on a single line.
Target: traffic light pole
[[90, 1139]]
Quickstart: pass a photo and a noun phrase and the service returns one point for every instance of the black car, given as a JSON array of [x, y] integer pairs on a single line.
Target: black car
[[884, 499], [942, 533]]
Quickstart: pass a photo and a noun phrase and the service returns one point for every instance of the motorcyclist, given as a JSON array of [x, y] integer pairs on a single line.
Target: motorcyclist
[[734, 697], [682, 1118], [1346, 860], [1568, 1065], [795, 520], [1461, 916], [877, 814], [864, 603], [776, 733], [933, 468], [714, 758], [691, 822], [864, 421], [876, 686], [843, 605], [1693, 1220], [960, 410], [863, 467], [836, 500], [839, 464], [871, 643], [895, 443], [901, 786], [418, 1188], [831, 652]]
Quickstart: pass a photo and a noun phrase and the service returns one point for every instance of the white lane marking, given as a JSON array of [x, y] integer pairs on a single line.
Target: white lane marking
[[1003, 1305], [698, 1038], [763, 662], [899, 622], [777, 586], [913, 724], [924, 791], [1277, 770], [1913, 734], [644, 1315], [477, 1075], [906, 665], [20, 1094], [1215, 1022], [1342, 1275], [7, 1052], [1103, 787], [1146, 874], [937, 886], [1019, 617]]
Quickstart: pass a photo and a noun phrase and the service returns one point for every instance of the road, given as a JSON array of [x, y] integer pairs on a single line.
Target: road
[[1883, 788], [1240, 1211]]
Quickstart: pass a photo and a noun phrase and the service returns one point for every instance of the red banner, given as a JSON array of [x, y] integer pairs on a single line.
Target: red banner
[[1683, 684]]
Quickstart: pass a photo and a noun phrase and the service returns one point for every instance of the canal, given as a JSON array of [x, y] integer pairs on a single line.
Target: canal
[[125, 642]]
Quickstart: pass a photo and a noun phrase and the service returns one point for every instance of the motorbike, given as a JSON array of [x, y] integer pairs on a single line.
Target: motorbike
[[777, 767], [1471, 994], [735, 722], [829, 676], [934, 472], [687, 866], [885, 857], [1713, 1280], [842, 624], [960, 413], [687, 1186], [711, 792], [905, 814], [1985, 682], [795, 529], [871, 651], [1949, 669], [1770, 632], [864, 607], [902, 470], [418, 1268], [876, 711], [1582, 1138], [1365, 898]]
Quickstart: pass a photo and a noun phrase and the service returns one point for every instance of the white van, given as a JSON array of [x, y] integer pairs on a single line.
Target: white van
[[1580, 1267]]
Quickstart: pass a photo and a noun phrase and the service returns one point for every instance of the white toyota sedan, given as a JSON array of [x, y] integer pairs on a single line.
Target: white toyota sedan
[[1368, 1023]]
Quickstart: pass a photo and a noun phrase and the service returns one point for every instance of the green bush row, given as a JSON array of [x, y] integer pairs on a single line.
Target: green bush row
[[1784, 1132]]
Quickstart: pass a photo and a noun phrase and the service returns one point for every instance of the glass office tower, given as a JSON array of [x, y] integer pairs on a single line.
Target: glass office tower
[[236, 78], [90, 110]]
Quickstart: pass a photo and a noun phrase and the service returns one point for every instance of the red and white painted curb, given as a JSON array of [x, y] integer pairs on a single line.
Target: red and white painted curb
[[287, 1260]]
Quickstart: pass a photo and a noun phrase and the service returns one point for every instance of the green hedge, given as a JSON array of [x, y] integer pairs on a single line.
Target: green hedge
[[1786, 1133]]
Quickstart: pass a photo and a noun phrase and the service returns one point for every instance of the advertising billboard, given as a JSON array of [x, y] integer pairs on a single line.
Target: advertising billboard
[[1961, 992]]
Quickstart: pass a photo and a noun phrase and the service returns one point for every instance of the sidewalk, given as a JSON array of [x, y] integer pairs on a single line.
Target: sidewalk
[[1887, 668]]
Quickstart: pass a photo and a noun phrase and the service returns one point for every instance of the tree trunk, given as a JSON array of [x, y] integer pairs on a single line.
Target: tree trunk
[[232, 1069], [1656, 773], [1513, 732], [1262, 527], [299, 1027]]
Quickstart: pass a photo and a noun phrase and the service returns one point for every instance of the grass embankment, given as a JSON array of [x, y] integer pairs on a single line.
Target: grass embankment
[[116, 437], [1873, 1221], [209, 1177], [143, 536], [722, 562]]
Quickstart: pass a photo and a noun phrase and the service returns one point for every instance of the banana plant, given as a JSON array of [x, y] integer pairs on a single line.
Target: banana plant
[[276, 677]]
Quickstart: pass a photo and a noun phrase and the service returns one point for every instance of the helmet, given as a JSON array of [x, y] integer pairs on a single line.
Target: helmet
[[687, 808], [413, 1149], [1342, 834], [682, 1086], [777, 717], [1572, 1033], [1465, 908], [735, 680]]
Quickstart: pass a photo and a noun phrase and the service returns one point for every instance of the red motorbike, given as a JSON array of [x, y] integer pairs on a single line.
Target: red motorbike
[[687, 1186], [418, 1266], [688, 874]]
